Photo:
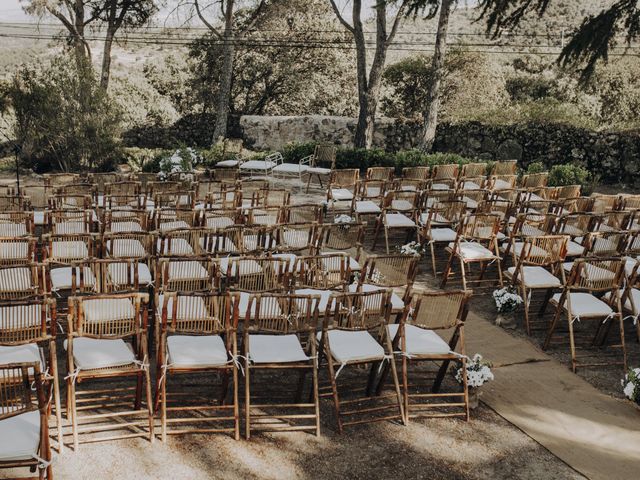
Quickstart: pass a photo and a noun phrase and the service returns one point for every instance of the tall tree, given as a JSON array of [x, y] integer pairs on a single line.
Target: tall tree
[[590, 43], [117, 14], [369, 82], [227, 36]]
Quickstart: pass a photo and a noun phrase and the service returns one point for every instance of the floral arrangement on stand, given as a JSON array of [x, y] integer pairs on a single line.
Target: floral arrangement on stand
[[631, 385], [478, 373], [344, 220], [412, 248], [507, 301]]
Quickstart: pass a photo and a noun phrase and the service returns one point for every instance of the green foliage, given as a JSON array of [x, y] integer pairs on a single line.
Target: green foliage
[[63, 119], [139, 159], [408, 82], [536, 167], [294, 152], [618, 88], [363, 158], [568, 174]]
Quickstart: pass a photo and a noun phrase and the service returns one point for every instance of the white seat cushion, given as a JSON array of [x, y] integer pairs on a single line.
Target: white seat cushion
[[196, 351], [518, 246], [38, 217], [537, 277], [90, 353], [367, 206], [420, 341], [574, 249], [62, 278], [470, 186], [266, 306], [471, 203], [105, 309], [227, 163], [353, 264], [440, 186], [500, 184], [290, 168], [585, 305], [119, 276], [126, 248], [401, 205], [187, 271], [397, 303], [117, 227], [27, 353], [443, 234], [341, 194], [260, 165], [173, 225], [325, 296], [20, 436], [13, 229], [473, 251], [69, 249], [398, 220], [70, 228], [275, 349], [14, 250], [15, 279], [189, 307], [352, 346], [246, 266], [177, 246], [319, 170]]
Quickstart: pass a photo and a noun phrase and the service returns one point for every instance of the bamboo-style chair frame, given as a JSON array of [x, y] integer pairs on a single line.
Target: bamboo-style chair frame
[[21, 281], [68, 248], [198, 315], [18, 250], [281, 315], [21, 391], [380, 173], [19, 223], [123, 324]]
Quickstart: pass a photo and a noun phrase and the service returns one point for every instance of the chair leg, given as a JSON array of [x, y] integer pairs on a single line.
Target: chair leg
[[396, 382], [308, 182], [545, 302], [405, 388], [572, 344], [525, 304], [236, 406], [149, 405], [463, 274], [622, 342], [316, 395], [163, 407], [247, 401], [71, 386], [433, 257], [56, 395], [447, 270], [138, 398], [376, 232], [386, 238], [552, 328], [334, 392]]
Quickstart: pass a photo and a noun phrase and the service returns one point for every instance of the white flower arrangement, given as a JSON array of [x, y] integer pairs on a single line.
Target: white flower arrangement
[[377, 276], [412, 248], [506, 300], [631, 385], [181, 161], [343, 219], [478, 372]]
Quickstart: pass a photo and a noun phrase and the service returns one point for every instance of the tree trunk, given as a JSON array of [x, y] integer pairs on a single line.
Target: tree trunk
[[80, 46], [226, 76], [430, 115], [106, 59]]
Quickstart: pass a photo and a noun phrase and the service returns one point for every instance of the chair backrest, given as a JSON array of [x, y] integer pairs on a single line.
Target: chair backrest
[[616, 220], [479, 227], [199, 313], [123, 275], [17, 393], [70, 201], [401, 201], [155, 188], [184, 199], [255, 274], [371, 189], [502, 181], [27, 321], [326, 272], [20, 281], [596, 274], [358, 311], [603, 203], [296, 237], [507, 167], [533, 225], [125, 201], [282, 314], [221, 174], [186, 274], [473, 170], [220, 218], [444, 172], [304, 213], [14, 202], [546, 250], [444, 213], [336, 236], [630, 202], [17, 250], [575, 205], [325, 155], [118, 221], [569, 191], [68, 248], [416, 173], [534, 180], [345, 177], [390, 270], [108, 315], [78, 277], [379, 173], [69, 222], [17, 223], [605, 244], [576, 224], [166, 219], [271, 197], [438, 310], [75, 189], [138, 245]]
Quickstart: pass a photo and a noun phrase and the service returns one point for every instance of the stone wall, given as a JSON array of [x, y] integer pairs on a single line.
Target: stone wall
[[614, 157]]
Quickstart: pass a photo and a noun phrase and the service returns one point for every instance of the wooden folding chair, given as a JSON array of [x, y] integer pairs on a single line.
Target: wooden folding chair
[[68, 248], [24, 419], [416, 340], [14, 202], [399, 212], [476, 242], [504, 167], [382, 272], [125, 201], [28, 334], [270, 197], [70, 222], [263, 215], [471, 183], [17, 250], [121, 221], [354, 334], [190, 274], [477, 169], [439, 226], [279, 334], [368, 198], [70, 201], [534, 180], [79, 277], [538, 267], [321, 273], [444, 177], [342, 185], [199, 336], [127, 187], [107, 341], [578, 300], [321, 163], [343, 238]]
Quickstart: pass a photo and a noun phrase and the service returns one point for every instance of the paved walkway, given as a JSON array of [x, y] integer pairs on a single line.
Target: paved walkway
[[597, 435]]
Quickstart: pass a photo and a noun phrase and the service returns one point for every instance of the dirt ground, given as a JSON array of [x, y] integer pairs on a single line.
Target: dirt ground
[[486, 447]]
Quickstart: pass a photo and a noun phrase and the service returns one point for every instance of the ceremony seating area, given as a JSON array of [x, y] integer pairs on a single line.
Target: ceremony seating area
[[226, 302]]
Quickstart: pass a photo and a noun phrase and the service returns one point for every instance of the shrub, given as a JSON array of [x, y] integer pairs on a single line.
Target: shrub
[[362, 158], [536, 167], [568, 174], [63, 118], [138, 159], [294, 152]]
